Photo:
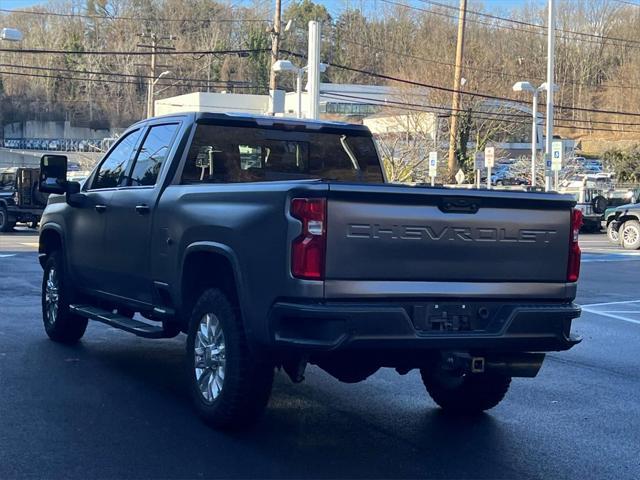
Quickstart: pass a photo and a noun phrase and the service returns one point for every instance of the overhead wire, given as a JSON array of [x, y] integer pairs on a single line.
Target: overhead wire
[[483, 70], [537, 29], [129, 18], [462, 92], [129, 82], [498, 117], [37, 51], [125, 75]]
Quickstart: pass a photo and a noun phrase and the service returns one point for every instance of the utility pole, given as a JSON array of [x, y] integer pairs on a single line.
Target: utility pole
[[457, 80], [155, 47], [551, 50], [275, 52], [152, 76]]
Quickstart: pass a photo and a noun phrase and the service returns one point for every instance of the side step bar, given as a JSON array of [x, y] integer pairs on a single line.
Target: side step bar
[[141, 329]]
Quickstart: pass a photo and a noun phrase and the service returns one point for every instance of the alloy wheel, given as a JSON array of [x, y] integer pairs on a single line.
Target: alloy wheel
[[210, 360], [630, 235], [52, 296]]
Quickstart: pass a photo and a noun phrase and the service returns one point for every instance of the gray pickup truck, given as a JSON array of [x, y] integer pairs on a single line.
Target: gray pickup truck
[[275, 243]]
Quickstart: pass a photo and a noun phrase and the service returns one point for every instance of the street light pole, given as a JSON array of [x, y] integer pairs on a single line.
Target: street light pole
[[313, 72], [299, 74], [527, 87], [151, 93], [551, 47], [287, 66], [534, 136]]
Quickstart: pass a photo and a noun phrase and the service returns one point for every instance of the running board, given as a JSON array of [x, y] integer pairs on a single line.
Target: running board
[[141, 329]]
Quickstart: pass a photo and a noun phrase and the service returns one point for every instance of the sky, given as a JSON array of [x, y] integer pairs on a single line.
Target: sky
[[334, 6]]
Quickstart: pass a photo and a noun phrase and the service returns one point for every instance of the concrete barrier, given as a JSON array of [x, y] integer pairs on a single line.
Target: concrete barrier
[[10, 157]]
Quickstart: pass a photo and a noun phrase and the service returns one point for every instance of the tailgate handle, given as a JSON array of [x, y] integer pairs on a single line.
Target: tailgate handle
[[459, 205]]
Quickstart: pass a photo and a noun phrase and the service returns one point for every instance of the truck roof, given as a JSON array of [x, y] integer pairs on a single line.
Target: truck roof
[[248, 119]]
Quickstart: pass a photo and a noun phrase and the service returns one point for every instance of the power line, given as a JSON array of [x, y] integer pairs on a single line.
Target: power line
[[463, 110], [538, 29], [136, 19], [533, 25], [483, 70], [477, 115], [35, 51], [129, 82], [463, 92], [125, 75]]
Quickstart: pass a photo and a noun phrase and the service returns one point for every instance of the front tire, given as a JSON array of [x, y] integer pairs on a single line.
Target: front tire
[[630, 235], [230, 387], [465, 394], [60, 324]]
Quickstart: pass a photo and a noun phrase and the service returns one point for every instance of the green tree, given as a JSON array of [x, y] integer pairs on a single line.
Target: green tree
[[300, 13]]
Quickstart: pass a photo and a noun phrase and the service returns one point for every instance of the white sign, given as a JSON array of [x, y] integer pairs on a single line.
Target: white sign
[[460, 177], [557, 156], [478, 161], [433, 164], [489, 157]]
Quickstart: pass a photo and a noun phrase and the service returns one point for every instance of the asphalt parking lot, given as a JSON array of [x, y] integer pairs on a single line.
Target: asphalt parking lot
[[115, 406]]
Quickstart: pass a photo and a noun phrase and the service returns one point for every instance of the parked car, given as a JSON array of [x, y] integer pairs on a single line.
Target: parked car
[[275, 242], [632, 197], [20, 199], [626, 222]]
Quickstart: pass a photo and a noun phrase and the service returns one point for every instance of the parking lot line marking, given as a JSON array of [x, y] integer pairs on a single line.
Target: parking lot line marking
[[610, 303], [30, 244], [612, 252], [611, 315], [636, 312], [5, 255]]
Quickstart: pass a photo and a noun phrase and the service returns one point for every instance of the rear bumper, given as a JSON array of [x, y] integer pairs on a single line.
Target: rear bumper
[[352, 326], [24, 214]]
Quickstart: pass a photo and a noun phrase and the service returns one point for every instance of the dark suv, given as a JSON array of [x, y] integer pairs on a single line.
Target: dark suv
[[20, 199]]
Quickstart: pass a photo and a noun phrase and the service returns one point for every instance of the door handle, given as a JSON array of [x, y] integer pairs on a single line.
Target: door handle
[[143, 209], [101, 208]]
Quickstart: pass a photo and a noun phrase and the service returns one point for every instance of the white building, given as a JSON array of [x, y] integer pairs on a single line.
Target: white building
[[214, 103], [346, 100], [424, 124]]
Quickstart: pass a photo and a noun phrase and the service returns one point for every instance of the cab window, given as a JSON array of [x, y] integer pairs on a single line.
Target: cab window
[[112, 171], [221, 154], [152, 154]]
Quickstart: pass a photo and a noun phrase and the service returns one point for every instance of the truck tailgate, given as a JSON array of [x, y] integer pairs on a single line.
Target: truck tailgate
[[389, 232]]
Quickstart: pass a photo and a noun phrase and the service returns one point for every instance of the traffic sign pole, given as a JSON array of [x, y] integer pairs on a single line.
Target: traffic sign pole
[[433, 167], [557, 161], [489, 159]]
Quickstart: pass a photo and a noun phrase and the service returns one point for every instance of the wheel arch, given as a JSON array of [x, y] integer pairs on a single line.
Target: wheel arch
[[629, 216], [51, 239], [209, 265]]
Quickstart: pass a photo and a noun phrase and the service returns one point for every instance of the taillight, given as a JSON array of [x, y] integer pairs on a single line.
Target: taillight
[[308, 250], [573, 270]]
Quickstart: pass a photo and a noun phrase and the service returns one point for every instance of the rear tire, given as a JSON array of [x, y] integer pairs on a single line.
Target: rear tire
[[229, 385], [5, 224], [612, 234], [60, 324], [467, 394]]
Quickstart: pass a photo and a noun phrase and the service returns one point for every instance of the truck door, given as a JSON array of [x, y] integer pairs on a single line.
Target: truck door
[[131, 209], [87, 220]]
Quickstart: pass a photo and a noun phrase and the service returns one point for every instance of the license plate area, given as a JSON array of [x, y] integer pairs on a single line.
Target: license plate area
[[447, 317]]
